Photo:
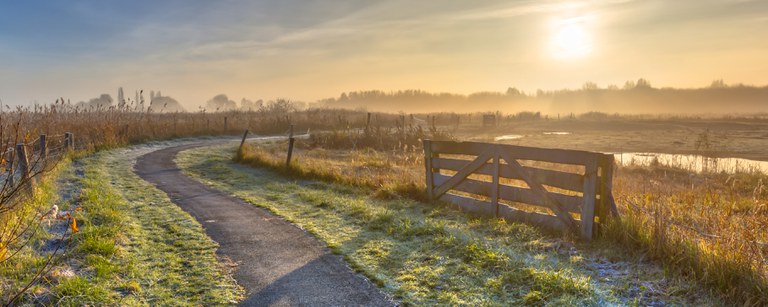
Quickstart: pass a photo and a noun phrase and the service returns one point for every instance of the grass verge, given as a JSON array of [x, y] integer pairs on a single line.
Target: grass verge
[[134, 247]]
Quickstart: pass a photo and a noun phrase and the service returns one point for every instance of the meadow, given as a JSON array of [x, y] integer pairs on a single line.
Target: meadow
[[707, 226], [705, 229]]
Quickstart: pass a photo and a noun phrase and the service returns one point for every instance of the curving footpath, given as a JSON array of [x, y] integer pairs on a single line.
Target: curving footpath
[[278, 263]]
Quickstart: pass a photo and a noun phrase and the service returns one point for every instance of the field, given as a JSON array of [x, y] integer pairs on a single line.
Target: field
[[710, 227], [357, 183]]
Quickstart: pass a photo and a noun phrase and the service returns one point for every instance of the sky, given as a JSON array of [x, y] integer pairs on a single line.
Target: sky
[[306, 50]]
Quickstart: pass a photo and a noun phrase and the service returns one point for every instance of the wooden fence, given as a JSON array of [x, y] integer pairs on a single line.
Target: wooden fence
[[26, 160], [490, 178]]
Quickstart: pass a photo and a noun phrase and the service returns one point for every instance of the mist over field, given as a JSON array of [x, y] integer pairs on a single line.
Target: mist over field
[[633, 98], [384, 153]]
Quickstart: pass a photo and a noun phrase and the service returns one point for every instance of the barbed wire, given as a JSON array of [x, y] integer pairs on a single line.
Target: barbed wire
[[35, 141]]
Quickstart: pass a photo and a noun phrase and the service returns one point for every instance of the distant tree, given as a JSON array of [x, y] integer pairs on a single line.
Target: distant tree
[[589, 86], [594, 115], [642, 83], [527, 115], [511, 91], [141, 99], [480, 96], [221, 103], [613, 87], [248, 105], [165, 104], [103, 101], [120, 97], [277, 112], [718, 84], [279, 106], [629, 85]]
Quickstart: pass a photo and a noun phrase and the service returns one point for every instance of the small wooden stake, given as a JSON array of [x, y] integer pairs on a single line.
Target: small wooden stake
[[69, 141], [11, 171], [21, 151], [290, 148], [430, 175], [245, 135], [43, 148]]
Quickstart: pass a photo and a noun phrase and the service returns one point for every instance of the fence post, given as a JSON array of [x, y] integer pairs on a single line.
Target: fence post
[[21, 151], [43, 148], [69, 141], [10, 167], [588, 208], [245, 134], [428, 164], [606, 195], [290, 148], [368, 124], [226, 125], [495, 185]]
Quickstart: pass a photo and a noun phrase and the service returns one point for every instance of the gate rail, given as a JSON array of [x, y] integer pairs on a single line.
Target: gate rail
[[586, 194]]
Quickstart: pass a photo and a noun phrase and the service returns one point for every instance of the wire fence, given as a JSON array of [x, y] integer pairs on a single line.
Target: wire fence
[[25, 161]]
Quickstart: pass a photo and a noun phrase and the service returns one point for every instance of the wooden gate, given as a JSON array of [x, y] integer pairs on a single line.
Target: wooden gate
[[490, 179]]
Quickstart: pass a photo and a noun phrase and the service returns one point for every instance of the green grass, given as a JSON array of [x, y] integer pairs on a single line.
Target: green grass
[[20, 269], [134, 248], [425, 255]]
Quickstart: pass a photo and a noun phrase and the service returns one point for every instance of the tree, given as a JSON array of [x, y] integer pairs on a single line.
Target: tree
[[165, 104], [103, 101], [589, 86], [120, 97], [642, 83], [718, 84], [221, 103], [511, 91], [248, 105]]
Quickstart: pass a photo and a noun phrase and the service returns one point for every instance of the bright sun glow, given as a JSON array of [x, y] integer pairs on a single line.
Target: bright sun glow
[[570, 39]]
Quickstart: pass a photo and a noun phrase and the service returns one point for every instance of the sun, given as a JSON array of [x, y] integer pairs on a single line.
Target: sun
[[570, 39]]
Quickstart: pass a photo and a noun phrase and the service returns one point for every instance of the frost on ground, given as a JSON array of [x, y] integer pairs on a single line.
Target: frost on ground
[[426, 255], [134, 246]]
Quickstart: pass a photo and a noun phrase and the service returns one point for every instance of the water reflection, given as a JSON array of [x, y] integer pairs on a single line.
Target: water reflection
[[508, 137], [695, 163]]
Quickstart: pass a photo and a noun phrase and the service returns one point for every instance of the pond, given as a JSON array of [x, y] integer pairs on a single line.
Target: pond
[[695, 163]]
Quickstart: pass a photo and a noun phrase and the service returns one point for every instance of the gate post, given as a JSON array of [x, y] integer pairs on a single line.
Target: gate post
[[428, 165]]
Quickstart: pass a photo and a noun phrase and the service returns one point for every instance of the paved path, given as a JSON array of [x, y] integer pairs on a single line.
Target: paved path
[[278, 263]]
